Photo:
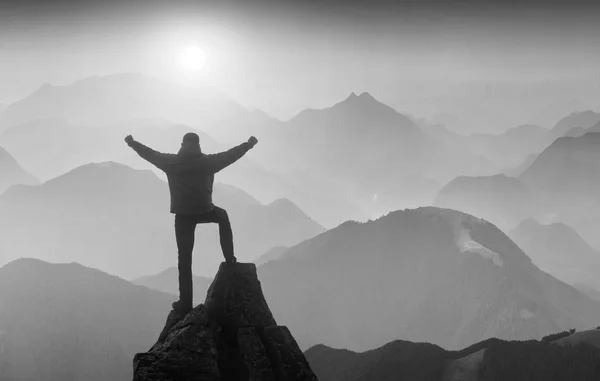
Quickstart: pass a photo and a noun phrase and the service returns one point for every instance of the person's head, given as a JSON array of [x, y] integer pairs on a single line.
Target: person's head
[[190, 143]]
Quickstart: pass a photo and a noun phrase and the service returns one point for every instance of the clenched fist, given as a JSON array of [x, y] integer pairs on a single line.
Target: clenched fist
[[252, 141], [129, 139]]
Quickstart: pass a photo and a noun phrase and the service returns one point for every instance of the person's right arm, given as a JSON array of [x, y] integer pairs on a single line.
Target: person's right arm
[[219, 161], [158, 159]]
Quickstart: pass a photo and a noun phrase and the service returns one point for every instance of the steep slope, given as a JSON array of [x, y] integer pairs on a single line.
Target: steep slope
[[111, 217], [429, 274], [559, 250], [168, 281], [503, 200], [12, 172], [588, 290], [566, 179], [569, 166], [110, 99], [69, 322]]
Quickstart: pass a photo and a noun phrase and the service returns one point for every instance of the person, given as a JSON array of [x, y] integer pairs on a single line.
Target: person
[[190, 174]]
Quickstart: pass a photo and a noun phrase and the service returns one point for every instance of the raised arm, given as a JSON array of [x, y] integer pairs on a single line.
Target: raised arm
[[221, 160], [160, 160]]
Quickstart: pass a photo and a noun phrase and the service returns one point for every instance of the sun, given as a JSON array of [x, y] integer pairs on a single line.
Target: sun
[[192, 58]]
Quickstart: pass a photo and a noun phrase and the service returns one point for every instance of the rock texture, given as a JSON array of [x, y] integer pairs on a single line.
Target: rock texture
[[232, 336]]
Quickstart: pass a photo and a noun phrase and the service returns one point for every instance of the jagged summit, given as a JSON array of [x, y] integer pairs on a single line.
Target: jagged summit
[[232, 336], [364, 95]]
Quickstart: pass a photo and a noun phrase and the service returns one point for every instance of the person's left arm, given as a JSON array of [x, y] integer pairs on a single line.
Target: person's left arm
[[221, 160]]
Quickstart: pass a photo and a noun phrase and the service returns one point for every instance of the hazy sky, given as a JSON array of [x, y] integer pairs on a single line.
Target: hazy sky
[[421, 57]]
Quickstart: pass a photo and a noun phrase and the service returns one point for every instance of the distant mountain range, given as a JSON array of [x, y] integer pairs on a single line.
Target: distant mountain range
[[569, 166], [513, 145], [371, 148], [12, 172], [569, 358], [582, 119], [111, 217], [503, 200], [559, 250], [102, 100], [52, 147], [429, 274], [578, 131], [560, 184], [168, 281], [375, 151], [69, 322]]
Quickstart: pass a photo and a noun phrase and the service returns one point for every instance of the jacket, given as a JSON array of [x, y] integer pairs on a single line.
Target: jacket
[[190, 176]]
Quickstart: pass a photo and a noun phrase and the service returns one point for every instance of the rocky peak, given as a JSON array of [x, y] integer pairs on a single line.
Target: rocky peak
[[232, 336]]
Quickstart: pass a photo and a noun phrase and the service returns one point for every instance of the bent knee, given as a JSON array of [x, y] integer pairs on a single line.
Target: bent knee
[[221, 214]]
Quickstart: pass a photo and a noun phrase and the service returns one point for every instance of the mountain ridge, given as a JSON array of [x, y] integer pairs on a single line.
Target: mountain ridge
[[433, 275], [118, 215]]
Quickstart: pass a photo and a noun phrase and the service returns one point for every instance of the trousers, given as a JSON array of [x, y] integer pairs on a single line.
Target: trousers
[[185, 228]]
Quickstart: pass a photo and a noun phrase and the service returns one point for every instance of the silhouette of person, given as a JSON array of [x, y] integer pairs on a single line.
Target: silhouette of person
[[190, 174]]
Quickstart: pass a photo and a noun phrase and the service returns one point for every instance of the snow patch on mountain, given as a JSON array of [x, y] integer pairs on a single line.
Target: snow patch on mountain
[[525, 313], [466, 244], [462, 224]]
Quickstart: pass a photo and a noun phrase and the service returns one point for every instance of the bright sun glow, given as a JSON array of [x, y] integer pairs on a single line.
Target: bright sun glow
[[192, 58]]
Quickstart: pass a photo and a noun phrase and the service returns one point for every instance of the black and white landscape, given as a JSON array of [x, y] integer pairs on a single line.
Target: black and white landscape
[[423, 201]]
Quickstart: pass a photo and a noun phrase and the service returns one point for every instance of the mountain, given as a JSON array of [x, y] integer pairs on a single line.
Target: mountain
[[70, 322], [569, 165], [583, 119], [589, 291], [12, 172], [273, 254], [512, 146], [578, 131], [52, 147], [232, 336], [566, 180], [569, 358], [594, 128], [111, 217], [503, 200], [102, 100], [369, 146], [428, 274], [168, 281], [517, 170], [587, 223], [338, 131], [557, 249]]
